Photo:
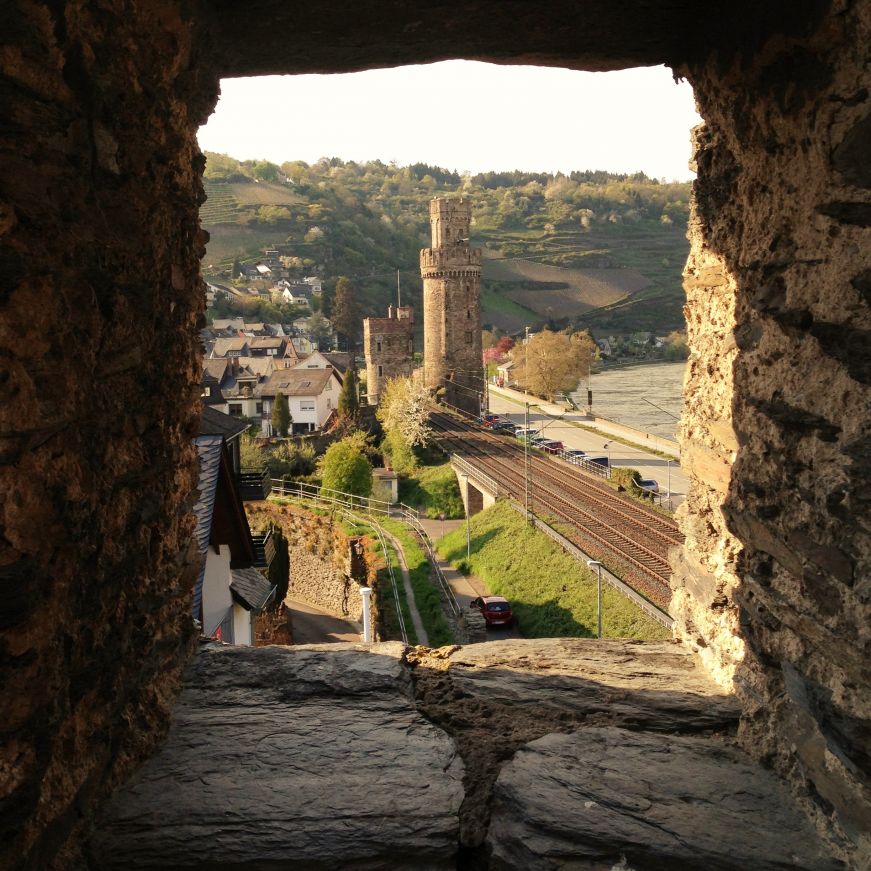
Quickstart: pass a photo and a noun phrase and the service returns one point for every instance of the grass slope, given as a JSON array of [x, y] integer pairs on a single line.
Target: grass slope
[[552, 594], [433, 490]]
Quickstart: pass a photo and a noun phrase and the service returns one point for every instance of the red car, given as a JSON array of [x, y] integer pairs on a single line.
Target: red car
[[496, 610], [552, 447]]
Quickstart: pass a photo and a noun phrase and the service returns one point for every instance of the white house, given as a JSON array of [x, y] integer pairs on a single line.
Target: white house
[[229, 592], [312, 395]]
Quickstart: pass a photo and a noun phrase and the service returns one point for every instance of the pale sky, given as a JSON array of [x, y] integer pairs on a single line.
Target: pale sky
[[464, 116]]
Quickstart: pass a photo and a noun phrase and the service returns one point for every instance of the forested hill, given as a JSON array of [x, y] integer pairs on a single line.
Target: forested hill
[[588, 249]]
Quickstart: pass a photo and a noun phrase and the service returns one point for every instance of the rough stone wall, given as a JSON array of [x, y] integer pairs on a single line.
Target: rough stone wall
[[323, 570], [388, 344], [451, 272], [779, 305], [101, 297]]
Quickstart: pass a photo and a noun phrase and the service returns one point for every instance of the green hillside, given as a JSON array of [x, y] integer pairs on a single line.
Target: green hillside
[[588, 249]]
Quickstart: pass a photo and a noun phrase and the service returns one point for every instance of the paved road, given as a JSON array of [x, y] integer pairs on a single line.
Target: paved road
[[311, 625], [650, 465], [465, 587]]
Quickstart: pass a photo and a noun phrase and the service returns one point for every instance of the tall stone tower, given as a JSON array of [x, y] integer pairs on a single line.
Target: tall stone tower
[[451, 272], [389, 347]]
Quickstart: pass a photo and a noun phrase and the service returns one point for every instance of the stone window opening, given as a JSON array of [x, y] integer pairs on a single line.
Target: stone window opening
[[732, 507], [378, 346]]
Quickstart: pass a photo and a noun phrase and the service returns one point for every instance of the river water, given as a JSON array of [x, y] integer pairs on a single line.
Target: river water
[[646, 397]]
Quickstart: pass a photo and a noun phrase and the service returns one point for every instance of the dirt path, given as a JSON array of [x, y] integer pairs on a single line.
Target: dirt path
[[422, 637]]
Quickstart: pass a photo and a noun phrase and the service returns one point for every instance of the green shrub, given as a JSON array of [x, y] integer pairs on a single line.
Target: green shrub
[[434, 490]]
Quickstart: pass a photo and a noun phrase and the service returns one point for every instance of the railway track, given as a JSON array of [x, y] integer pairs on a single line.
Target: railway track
[[610, 527]]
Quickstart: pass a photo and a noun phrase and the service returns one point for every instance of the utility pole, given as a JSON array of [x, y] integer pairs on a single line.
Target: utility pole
[[526, 369], [468, 526], [526, 463], [598, 566], [668, 486], [398, 292]]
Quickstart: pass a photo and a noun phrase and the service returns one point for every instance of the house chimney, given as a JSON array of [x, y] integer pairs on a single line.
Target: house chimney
[[390, 311]]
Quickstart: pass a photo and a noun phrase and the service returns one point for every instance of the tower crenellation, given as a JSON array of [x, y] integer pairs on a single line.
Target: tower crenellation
[[451, 272]]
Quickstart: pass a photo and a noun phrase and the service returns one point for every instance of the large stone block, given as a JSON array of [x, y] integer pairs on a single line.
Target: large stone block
[[306, 757], [610, 798]]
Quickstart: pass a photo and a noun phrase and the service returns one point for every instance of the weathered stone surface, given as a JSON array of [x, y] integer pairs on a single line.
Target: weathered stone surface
[[605, 797], [646, 684], [779, 351], [306, 757], [496, 697]]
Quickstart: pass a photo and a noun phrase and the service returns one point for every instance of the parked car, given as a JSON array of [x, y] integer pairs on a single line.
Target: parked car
[[503, 426], [539, 441], [649, 485], [489, 419], [599, 461], [574, 456], [523, 433], [496, 610], [554, 446]]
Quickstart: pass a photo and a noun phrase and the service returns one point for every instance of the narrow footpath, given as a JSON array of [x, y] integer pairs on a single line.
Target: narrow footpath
[[422, 637]]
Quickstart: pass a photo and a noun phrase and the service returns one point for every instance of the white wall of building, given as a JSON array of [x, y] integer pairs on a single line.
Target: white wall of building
[[243, 626], [216, 588]]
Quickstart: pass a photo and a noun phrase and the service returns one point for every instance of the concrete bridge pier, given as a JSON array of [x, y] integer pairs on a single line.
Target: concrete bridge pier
[[476, 490]]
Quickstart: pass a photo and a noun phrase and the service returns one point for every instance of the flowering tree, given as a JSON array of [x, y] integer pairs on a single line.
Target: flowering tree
[[403, 408]]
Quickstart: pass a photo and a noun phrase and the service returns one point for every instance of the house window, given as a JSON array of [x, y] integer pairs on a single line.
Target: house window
[[235, 409], [207, 391], [258, 408], [307, 405]]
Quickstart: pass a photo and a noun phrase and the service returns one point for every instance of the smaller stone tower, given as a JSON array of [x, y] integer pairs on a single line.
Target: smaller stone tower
[[388, 344], [451, 272]]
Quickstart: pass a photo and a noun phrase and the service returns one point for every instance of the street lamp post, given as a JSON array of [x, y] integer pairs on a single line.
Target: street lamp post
[[598, 566], [468, 527], [607, 447]]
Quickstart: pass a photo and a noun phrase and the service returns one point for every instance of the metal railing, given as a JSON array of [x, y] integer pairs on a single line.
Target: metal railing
[[448, 593], [476, 474], [325, 496], [382, 539]]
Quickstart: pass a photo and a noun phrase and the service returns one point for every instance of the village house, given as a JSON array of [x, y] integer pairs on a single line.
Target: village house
[[236, 347], [312, 396], [268, 346], [338, 360]]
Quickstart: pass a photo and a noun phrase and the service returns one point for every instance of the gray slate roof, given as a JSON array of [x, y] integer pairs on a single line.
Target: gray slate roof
[[250, 589], [214, 422], [209, 449]]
